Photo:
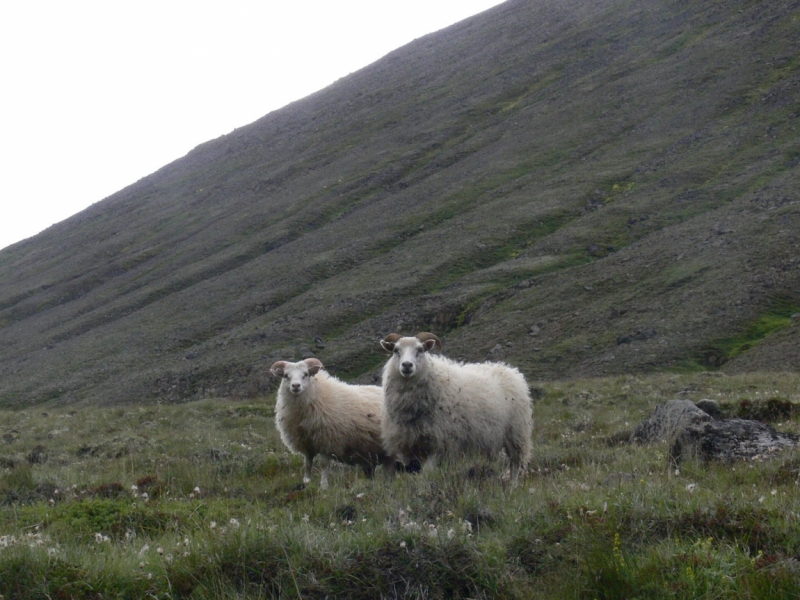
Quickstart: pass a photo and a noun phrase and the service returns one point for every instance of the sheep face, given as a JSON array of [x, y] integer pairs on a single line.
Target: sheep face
[[409, 352], [298, 375]]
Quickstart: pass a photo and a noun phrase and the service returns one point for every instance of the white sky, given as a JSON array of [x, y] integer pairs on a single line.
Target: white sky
[[98, 94]]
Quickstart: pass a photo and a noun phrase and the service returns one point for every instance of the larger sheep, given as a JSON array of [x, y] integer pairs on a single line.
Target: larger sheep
[[316, 413], [435, 407]]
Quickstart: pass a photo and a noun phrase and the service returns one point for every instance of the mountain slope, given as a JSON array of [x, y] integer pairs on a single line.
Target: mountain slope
[[576, 187]]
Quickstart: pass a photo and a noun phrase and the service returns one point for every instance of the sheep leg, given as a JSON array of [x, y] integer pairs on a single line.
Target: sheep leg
[[514, 473], [513, 453], [324, 463], [388, 467], [430, 463], [308, 465]]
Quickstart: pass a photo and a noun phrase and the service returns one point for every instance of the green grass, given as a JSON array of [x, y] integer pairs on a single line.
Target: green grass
[[778, 316], [201, 500]]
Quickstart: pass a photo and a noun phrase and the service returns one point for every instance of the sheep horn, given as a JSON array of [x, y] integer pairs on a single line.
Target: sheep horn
[[425, 336], [389, 341], [314, 365], [278, 368]]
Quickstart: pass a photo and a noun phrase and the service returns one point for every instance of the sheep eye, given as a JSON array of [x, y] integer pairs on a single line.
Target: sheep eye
[[286, 377], [397, 351]]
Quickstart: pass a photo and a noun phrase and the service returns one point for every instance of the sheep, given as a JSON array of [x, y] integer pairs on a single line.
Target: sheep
[[435, 407], [316, 413]]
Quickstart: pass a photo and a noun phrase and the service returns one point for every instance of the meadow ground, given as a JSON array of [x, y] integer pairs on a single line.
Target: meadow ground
[[201, 500]]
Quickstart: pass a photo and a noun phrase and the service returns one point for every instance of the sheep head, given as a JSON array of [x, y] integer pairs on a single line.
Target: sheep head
[[297, 375], [410, 351]]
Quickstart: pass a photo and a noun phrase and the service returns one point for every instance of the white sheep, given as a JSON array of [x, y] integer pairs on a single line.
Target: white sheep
[[316, 413], [435, 407]]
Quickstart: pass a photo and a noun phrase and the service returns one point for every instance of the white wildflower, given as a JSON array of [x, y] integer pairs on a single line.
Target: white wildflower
[[235, 523], [691, 487]]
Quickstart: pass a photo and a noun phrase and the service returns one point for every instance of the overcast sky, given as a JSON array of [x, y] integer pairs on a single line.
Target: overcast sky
[[98, 94]]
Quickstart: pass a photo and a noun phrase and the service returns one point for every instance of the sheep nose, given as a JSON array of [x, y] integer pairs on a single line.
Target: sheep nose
[[295, 387], [407, 366]]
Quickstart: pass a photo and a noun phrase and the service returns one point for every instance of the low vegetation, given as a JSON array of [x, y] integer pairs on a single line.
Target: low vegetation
[[202, 501]]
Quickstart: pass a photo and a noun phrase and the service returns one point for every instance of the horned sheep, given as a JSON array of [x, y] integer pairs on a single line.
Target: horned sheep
[[316, 413], [435, 407]]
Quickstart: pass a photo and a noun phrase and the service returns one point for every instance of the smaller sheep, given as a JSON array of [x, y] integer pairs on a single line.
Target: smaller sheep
[[316, 413], [435, 407]]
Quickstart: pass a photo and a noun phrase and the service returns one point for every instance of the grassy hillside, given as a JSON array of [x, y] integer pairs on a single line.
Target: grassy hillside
[[580, 188], [201, 500]]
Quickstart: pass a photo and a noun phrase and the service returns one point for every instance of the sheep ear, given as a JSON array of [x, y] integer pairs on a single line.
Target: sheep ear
[[429, 340], [314, 365], [389, 341], [278, 368]]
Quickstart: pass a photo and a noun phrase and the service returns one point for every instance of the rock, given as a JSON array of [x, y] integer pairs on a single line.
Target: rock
[[37, 456], [534, 330], [306, 352], [795, 316], [710, 407], [730, 440], [319, 343], [667, 420], [496, 349], [637, 335]]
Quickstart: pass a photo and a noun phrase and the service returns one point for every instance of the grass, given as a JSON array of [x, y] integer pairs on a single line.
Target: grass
[[201, 500], [777, 316]]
